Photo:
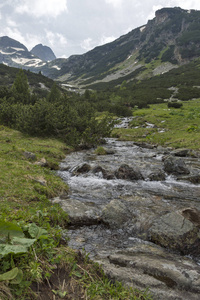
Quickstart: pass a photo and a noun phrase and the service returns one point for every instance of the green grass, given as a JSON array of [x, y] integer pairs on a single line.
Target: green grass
[[100, 151], [172, 127], [19, 175], [25, 190]]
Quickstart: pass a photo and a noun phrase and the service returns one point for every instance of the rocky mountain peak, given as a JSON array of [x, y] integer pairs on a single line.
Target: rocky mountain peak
[[7, 42], [43, 52], [166, 13]]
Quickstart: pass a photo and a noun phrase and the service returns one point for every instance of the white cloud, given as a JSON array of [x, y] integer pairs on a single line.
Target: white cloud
[[186, 4], [26, 39], [11, 23], [42, 8], [55, 39], [152, 13], [87, 44], [63, 56], [115, 3], [107, 39]]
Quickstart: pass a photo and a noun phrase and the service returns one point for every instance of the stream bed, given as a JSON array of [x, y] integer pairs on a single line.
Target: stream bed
[[136, 211]]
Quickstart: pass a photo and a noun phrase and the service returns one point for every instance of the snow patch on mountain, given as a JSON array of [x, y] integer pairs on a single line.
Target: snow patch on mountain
[[56, 67], [142, 28], [35, 62], [18, 49], [7, 53]]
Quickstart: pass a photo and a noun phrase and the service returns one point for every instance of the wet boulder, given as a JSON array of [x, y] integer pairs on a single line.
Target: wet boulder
[[178, 231], [181, 152], [104, 173], [176, 166], [157, 175], [84, 168], [115, 214], [144, 145], [129, 173]]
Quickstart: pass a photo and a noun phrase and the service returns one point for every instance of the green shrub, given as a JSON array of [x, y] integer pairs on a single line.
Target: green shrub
[[100, 151], [174, 104]]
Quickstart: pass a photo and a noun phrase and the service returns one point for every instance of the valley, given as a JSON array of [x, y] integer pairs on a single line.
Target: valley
[[100, 166]]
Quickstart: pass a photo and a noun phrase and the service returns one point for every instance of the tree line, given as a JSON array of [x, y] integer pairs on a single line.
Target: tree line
[[67, 116]]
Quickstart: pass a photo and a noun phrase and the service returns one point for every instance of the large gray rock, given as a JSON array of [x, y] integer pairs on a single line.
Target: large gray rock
[[115, 214], [79, 213], [167, 276], [176, 166], [178, 231], [183, 152]]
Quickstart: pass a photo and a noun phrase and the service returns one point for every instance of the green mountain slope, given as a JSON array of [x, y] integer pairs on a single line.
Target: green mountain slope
[[36, 81], [171, 39]]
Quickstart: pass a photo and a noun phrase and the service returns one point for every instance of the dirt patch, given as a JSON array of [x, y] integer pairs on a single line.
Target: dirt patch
[[61, 285]]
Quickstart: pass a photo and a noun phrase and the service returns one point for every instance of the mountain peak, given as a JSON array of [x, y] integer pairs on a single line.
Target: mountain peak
[[43, 52], [165, 13], [7, 42]]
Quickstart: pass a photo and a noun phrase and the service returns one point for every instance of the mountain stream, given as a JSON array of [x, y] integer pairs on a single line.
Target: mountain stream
[[137, 217]]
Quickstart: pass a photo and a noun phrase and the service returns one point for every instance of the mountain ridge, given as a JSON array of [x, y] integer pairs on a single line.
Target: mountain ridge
[[169, 40]]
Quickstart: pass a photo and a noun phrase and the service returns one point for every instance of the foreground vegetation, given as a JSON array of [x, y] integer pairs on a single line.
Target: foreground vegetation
[[35, 261], [172, 127]]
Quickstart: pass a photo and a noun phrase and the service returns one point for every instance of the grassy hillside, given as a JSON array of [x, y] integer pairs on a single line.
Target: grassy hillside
[[181, 83], [186, 75], [166, 126], [8, 74]]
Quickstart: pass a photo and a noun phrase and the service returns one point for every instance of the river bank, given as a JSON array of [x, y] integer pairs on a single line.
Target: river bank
[[49, 269]]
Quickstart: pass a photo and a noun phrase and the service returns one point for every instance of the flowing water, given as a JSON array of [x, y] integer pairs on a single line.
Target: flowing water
[[144, 200]]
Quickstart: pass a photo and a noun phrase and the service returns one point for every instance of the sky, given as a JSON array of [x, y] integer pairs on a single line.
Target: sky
[[76, 26]]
